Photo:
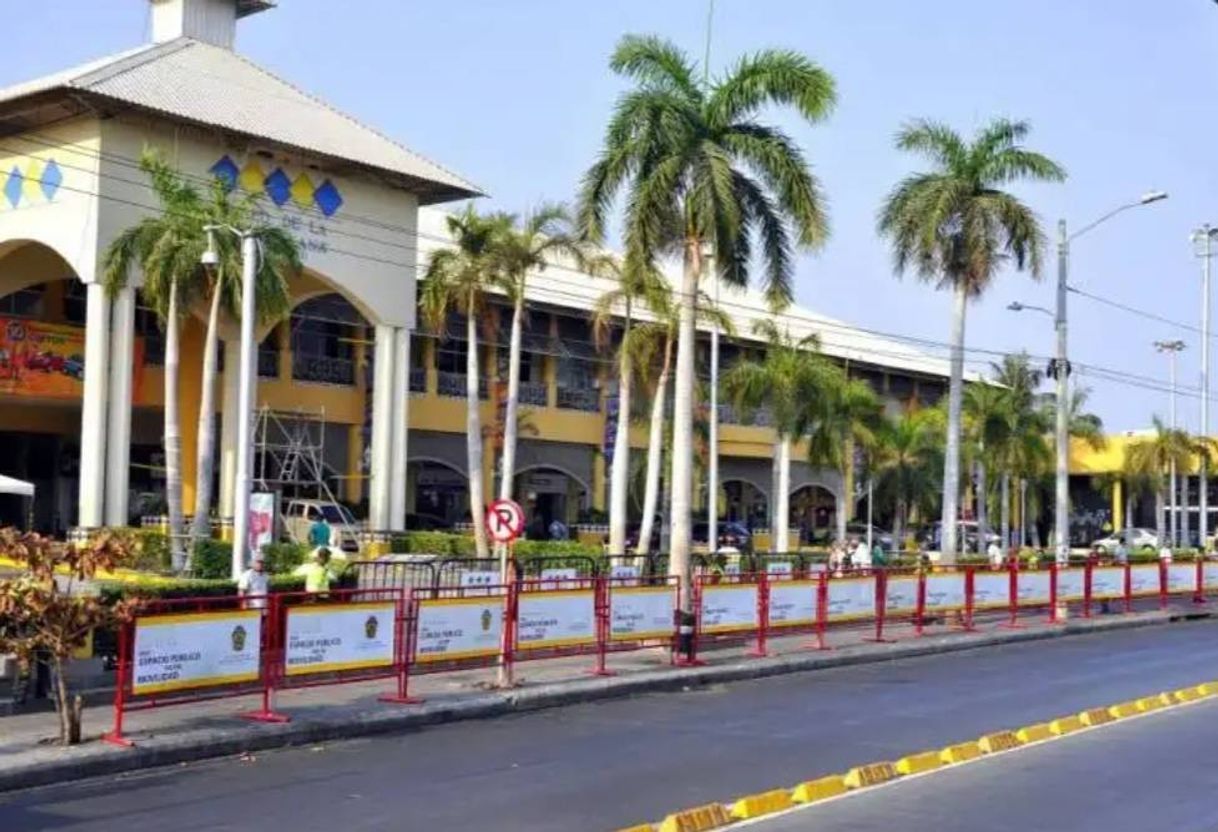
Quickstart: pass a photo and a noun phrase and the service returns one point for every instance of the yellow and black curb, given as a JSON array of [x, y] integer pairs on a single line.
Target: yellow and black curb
[[719, 815]]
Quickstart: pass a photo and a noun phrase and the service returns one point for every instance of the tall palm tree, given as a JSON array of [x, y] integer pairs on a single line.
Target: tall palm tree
[[955, 227], [1023, 448], [1149, 459], [279, 259], [636, 285], [543, 235], [168, 248], [988, 423], [704, 176], [791, 374], [908, 463], [459, 278]]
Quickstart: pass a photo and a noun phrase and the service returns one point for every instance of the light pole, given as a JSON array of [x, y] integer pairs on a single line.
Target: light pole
[[1059, 368], [1172, 348], [246, 385], [1205, 235]]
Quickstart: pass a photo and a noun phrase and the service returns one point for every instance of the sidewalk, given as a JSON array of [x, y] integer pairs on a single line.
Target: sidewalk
[[200, 731]]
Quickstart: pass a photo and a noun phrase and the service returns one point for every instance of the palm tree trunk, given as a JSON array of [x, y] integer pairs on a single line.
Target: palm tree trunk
[[1159, 524], [775, 485], [473, 429], [898, 527], [951, 458], [983, 509], [683, 422], [1006, 512], [173, 432], [782, 498], [841, 515], [1128, 514], [205, 465], [655, 453], [507, 473], [619, 472], [1183, 527]]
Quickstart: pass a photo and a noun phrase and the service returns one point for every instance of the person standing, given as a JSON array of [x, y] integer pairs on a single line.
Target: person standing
[[994, 551], [254, 585], [319, 532], [316, 572]]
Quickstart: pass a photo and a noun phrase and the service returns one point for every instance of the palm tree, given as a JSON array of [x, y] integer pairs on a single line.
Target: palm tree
[[790, 376], [988, 425], [703, 176], [1148, 460], [956, 228], [908, 463], [541, 236], [168, 248], [279, 259], [459, 278], [635, 284], [1023, 448]]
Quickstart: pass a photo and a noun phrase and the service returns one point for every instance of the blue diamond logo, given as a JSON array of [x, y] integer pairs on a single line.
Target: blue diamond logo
[[278, 187], [328, 199], [226, 171], [12, 188], [52, 178]]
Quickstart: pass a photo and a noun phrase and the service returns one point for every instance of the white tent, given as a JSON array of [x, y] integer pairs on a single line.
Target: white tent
[[8, 485]]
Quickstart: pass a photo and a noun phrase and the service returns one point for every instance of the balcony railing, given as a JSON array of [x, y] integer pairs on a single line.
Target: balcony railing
[[323, 369], [579, 398], [268, 363], [534, 393], [452, 385], [418, 380]]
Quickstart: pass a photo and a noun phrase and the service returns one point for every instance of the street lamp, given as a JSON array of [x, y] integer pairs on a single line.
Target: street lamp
[[248, 378], [1172, 348], [1060, 368], [1205, 235]]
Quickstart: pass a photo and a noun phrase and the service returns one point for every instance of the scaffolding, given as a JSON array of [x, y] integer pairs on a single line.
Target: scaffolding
[[290, 454]]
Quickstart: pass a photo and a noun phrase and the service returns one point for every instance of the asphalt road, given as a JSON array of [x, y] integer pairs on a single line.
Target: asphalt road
[[611, 764], [1158, 772]]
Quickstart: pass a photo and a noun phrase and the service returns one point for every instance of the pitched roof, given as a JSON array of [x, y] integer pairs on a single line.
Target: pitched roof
[[215, 87]]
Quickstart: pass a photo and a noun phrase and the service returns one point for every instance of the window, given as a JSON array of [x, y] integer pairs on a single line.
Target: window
[[148, 327], [74, 303], [323, 335], [24, 303]]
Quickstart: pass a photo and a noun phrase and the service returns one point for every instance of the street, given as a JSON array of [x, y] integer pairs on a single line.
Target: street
[[1156, 772], [617, 763]]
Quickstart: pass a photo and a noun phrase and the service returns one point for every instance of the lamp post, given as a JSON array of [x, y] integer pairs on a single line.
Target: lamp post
[[1172, 348], [1205, 235], [246, 390], [1060, 369]]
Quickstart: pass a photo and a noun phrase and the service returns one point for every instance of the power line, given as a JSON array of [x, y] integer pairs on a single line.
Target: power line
[[1135, 311]]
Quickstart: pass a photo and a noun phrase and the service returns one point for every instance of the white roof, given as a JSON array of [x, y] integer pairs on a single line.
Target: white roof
[[563, 286], [215, 87], [8, 485]]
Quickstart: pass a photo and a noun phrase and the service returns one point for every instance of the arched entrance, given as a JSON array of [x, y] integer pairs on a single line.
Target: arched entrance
[[746, 502], [813, 512], [548, 494], [437, 495]]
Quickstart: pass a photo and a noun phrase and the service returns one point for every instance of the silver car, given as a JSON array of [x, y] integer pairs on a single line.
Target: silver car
[[1136, 540]]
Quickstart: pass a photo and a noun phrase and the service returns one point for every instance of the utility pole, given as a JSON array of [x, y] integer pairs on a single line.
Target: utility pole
[[1172, 348], [1061, 372], [1205, 235], [712, 472]]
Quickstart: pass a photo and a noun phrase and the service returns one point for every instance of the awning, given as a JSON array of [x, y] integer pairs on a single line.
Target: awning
[[8, 485]]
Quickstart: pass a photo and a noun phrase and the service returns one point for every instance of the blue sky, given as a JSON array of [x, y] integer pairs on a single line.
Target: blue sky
[[515, 96]]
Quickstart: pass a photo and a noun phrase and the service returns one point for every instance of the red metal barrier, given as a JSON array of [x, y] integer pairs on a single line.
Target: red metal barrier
[[643, 611]]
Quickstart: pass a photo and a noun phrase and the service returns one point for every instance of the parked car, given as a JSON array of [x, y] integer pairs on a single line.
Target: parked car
[[299, 515], [732, 535], [967, 537], [1136, 540], [878, 535]]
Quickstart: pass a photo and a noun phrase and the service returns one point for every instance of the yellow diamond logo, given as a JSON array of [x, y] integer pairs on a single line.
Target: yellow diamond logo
[[32, 187], [251, 178], [302, 191]]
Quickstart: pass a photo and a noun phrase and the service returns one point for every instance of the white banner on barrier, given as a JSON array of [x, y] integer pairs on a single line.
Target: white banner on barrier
[[327, 638], [555, 619], [729, 607], [459, 628], [1182, 577], [945, 591], [901, 595], [1033, 587], [792, 603], [1070, 584], [1209, 575], [1108, 582], [1144, 579], [778, 567], [991, 590], [851, 598], [641, 612], [620, 571], [194, 650]]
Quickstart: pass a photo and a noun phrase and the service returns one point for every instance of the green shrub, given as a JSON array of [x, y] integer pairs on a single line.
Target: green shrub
[[113, 591], [282, 558], [212, 559]]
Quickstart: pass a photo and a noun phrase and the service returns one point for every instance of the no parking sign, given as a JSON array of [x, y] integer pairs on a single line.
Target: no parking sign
[[504, 521]]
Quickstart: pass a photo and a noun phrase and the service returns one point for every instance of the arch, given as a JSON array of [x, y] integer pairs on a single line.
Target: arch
[[42, 234], [26, 263], [824, 486], [757, 486], [313, 284], [549, 466], [435, 460]]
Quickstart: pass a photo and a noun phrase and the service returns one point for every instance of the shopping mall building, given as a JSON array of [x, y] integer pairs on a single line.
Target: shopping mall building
[[353, 397]]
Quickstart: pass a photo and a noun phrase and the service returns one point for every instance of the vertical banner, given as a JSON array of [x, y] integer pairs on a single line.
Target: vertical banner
[[264, 511]]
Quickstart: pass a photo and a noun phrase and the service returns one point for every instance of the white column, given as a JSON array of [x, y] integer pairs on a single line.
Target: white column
[[401, 428], [118, 440], [381, 474], [93, 408], [229, 417]]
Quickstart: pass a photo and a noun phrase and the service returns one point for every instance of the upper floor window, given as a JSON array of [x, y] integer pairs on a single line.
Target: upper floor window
[[24, 303], [324, 331]]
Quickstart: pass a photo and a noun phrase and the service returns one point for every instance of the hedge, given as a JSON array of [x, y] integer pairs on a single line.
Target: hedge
[[448, 544], [167, 589]]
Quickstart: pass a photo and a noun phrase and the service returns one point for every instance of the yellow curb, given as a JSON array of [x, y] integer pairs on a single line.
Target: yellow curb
[[1186, 695], [869, 775], [1065, 725], [1208, 688], [1034, 733], [1095, 716], [811, 791], [697, 819], [999, 741], [642, 827], [960, 752], [766, 803], [1153, 703], [918, 763], [1124, 709]]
